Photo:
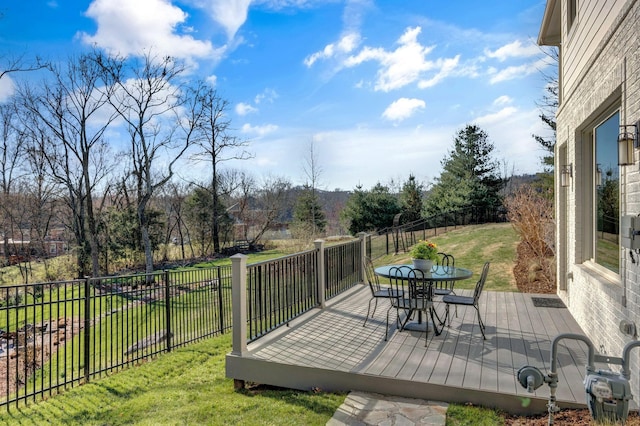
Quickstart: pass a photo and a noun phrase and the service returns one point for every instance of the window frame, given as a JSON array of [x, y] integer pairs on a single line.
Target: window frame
[[590, 211]]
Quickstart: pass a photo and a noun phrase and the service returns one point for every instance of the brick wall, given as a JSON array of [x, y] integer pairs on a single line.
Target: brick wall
[[611, 78]]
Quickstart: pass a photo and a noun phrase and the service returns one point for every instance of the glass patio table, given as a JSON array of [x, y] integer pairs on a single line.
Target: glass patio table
[[437, 273]]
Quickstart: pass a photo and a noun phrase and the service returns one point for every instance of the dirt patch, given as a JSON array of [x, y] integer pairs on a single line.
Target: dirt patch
[[26, 358], [565, 417]]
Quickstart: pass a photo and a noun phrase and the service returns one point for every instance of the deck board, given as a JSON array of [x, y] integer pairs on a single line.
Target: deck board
[[335, 351]]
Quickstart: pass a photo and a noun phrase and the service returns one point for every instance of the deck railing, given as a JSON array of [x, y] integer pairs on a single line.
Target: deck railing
[[280, 290]]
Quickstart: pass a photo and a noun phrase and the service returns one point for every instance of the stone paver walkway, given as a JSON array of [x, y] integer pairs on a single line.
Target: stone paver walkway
[[360, 409]]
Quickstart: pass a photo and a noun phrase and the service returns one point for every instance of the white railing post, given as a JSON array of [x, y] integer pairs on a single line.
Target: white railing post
[[322, 280], [239, 303]]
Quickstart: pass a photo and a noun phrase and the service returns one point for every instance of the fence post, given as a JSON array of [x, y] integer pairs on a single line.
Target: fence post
[[87, 328], [167, 308], [220, 299], [322, 281], [239, 303]]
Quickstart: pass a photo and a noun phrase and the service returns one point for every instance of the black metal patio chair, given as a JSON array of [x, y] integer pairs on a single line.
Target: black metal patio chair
[[400, 300], [453, 299], [421, 294], [378, 291], [442, 288]]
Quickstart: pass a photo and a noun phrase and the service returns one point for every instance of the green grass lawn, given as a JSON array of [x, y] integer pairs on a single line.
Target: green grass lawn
[[184, 387], [473, 245]]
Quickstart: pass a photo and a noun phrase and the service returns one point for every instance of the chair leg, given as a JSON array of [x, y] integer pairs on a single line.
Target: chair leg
[[447, 317], [386, 331], [369, 308], [434, 315], [426, 329], [480, 323]]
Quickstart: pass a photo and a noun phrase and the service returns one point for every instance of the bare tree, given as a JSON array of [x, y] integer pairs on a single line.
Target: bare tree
[[271, 201], [216, 142], [308, 213], [148, 101], [11, 155], [173, 198], [42, 190], [69, 106], [18, 64]]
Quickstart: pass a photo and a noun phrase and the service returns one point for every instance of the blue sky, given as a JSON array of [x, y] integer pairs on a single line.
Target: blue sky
[[379, 87]]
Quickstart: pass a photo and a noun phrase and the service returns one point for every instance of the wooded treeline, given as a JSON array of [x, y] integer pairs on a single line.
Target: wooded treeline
[[89, 158]]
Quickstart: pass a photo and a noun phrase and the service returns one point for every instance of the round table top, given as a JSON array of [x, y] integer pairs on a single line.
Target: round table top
[[438, 273]]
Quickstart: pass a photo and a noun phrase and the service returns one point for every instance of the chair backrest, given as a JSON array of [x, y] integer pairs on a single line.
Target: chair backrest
[[480, 283], [372, 278], [420, 289], [445, 261], [400, 276]]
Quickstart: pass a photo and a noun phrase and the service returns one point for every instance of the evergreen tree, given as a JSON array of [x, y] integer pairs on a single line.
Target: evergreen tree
[[470, 175], [411, 200], [370, 210], [308, 212]]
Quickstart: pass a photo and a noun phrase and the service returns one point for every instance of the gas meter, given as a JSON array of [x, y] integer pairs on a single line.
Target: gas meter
[[608, 395]]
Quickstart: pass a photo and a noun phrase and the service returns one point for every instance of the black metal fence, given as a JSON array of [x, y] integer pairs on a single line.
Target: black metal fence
[[400, 238], [58, 335]]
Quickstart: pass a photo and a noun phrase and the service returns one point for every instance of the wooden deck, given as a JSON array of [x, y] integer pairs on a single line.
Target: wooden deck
[[329, 349]]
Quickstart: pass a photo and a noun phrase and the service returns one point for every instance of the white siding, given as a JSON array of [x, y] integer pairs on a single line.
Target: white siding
[[580, 43]]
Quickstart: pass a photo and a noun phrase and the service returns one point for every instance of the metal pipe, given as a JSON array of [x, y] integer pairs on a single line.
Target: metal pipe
[[553, 375], [625, 357], [585, 339]]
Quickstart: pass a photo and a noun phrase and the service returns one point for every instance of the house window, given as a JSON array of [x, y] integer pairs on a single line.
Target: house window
[[607, 194], [572, 11]]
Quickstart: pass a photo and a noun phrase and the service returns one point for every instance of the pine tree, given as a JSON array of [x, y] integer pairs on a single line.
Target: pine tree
[[308, 212], [470, 175], [370, 210], [411, 200]]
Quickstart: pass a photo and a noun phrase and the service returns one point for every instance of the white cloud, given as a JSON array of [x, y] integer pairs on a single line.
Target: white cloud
[[514, 50], [496, 116], [344, 46], [518, 71], [244, 109], [7, 88], [403, 108], [130, 27], [502, 100], [212, 80], [267, 95], [230, 14], [405, 65], [447, 66], [259, 130]]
